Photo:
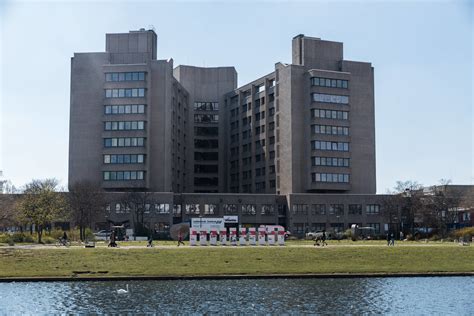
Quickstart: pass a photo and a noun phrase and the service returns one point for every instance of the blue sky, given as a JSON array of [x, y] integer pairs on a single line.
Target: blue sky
[[422, 52]]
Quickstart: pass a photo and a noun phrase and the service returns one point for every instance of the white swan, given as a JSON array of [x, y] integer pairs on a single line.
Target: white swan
[[122, 291]]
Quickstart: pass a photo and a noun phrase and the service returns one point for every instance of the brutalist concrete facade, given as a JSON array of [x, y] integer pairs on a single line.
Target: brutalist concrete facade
[[138, 124], [315, 118], [269, 151]]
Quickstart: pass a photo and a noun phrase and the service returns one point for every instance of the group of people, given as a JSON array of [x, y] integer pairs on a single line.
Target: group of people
[[321, 239]]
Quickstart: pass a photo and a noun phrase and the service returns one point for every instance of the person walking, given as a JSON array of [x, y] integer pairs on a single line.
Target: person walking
[[388, 238], [112, 242], [150, 242], [401, 236], [180, 239], [392, 239], [323, 238]]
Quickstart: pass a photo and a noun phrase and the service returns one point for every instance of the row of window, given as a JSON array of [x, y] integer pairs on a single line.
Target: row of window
[[330, 83], [329, 146], [206, 143], [330, 114], [330, 177], [206, 106], [125, 76], [124, 159], [330, 161], [124, 142], [330, 130], [330, 98], [333, 209], [206, 131], [125, 109], [125, 93], [123, 175], [206, 118], [124, 125]]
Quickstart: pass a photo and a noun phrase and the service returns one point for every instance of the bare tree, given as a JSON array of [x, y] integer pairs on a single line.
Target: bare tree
[[41, 204], [410, 194], [86, 200], [139, 204]]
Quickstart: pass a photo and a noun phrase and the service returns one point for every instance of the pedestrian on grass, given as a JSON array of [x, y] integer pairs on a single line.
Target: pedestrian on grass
[[401, 236], [392, 239], [388, 238], [150, 242], [112, 242], [64, 236], [323, 238], [180, 239]]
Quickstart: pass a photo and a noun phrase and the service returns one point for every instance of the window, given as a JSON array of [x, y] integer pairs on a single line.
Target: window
[[248, 209], [330, 98], [206, 106], [123, 175], [124, 159], [209, 209], [355, 209], [260, 88], [205, 143], [125, 93], [336, 209], [125, 76], [329, 114], [330, 161], [206, 118], [124, 125], [372, 209], [298, 228], [376, 227], [267, 209], [300, 209], [191, 209], [329, 146], [206, 131], [124, 109], [330, 130], [230, 208], [330, 177], [330, 83], [318, 209], [124, 142]]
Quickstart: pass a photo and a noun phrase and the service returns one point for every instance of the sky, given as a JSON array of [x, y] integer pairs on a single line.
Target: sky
[[422, 53]]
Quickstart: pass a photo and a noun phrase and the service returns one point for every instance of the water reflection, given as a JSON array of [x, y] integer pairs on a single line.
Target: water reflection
[[421, 296]]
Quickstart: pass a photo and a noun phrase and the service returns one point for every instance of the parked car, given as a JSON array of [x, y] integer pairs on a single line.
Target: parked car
[[102, 234]]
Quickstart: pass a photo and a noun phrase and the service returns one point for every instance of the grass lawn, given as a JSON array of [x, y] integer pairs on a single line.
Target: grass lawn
[[189, 261]]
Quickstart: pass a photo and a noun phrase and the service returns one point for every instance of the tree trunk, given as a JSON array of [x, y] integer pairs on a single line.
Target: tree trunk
[[40, 233]]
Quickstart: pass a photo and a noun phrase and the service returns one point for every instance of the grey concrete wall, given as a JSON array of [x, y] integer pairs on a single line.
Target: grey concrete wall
[[131, 48], [207, 85], [85, 121], [362, 126]]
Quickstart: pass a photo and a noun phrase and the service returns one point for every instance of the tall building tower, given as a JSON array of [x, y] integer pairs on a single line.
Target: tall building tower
[[128, 117], [307, 127], [138, 124]]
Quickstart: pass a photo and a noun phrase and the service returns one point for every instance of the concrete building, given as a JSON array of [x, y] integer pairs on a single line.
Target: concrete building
[[277, 144], [138, 124]]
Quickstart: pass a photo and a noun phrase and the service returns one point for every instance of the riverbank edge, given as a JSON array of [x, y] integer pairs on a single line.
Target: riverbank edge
[[235, 276]]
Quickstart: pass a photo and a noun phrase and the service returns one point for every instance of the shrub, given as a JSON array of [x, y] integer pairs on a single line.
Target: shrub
[[463, 232], [22, 237], [48, 240]]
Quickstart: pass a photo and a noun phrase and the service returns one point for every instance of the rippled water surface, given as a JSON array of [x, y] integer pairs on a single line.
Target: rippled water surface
[[411, 296]]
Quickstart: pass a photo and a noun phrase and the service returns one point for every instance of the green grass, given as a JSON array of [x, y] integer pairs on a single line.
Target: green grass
[[185, 261]]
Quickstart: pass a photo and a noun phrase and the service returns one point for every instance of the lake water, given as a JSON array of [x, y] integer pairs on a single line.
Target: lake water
[[409, 296]]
